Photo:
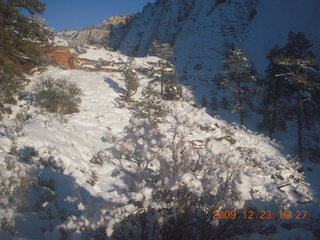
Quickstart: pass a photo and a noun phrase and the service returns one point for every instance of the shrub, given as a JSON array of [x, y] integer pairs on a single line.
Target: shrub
[[10, 87], [168, 181], [15, 182], [58, 96]]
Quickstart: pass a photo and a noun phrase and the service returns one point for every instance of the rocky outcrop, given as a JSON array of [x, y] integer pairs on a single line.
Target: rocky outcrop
[[116, 20], [63, 57], [98, 35]]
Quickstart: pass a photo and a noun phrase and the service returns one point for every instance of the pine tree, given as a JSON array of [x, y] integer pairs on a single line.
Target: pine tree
[[239, 77], [131, 79], [276, 93], [298, 68], [21, 35], [170, 88], [21, 39], [150, 106], [9, 86]]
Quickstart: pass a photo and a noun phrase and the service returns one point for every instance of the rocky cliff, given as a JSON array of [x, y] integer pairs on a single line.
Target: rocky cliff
[[97, 34], [200, 30]]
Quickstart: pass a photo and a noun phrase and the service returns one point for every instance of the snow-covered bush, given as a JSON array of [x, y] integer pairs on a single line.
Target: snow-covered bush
[[177, 174], [169, 178], [58, 96], [173, 184], [15, 183], [99, 63]]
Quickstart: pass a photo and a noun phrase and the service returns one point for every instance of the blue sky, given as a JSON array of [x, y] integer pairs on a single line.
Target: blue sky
[[76, 14]]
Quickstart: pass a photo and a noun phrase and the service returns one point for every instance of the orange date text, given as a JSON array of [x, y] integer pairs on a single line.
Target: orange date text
[[262, 215]]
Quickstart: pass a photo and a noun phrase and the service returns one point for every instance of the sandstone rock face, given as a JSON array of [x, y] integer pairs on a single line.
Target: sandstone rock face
[[98, 35], [63, 56], [116, 20]]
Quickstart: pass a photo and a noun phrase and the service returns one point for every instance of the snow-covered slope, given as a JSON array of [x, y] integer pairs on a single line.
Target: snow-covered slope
[[200, 30], [77, 182]]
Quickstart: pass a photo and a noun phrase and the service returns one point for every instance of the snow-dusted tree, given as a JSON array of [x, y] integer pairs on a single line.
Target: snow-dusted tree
[[130, 78], [165, 73], [299, 65], [16, 181], [239, 77], [150, 105], [172, 90]]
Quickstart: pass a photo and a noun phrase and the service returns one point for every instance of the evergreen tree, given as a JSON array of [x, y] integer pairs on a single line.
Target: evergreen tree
[[170, 88], [299, 65], [239, 77], [131, 79], [150, 105], [21, 35], [276, 92], [21, 39], [9, 86]]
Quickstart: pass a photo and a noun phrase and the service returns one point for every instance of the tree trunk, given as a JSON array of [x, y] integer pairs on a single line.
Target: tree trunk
[[271, 126], [162, 70], [241, 117], [162, 86], [240, 103], [274, 113], [128, 96], [300, 125]]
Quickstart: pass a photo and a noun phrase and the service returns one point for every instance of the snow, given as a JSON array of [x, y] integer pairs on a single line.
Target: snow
[[96, 54], [216, 147], [83, 194], [59, 42]]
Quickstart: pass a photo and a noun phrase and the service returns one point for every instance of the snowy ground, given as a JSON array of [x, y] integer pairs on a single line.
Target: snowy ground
[[66, 144]]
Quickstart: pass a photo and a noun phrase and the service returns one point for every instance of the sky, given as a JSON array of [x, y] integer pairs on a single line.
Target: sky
[[77, 14]]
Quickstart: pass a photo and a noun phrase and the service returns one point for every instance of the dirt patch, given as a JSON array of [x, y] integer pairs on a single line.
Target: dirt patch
[[63, 57]]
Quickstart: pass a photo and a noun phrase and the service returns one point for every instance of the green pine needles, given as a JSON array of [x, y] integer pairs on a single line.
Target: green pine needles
[[150, 105]]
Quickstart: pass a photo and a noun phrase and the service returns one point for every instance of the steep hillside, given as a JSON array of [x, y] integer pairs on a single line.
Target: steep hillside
[[87, 177], [107, 170], [200, 30]]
